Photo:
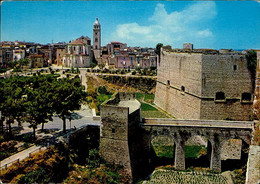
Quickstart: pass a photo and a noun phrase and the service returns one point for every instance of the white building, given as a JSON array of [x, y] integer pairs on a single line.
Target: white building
[[78, 53], [18, 54]]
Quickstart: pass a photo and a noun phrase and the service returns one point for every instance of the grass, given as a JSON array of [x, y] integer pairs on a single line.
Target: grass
[[147, 107], [191, 151], [139, 96], [164, 151], [149, 97], [153, 114]]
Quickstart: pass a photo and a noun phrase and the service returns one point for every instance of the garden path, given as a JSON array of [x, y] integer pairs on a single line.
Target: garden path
[[20, 155]]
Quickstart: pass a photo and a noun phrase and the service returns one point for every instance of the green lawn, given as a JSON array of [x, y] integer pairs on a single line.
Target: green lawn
[[139, 96], [153, 114], [193, 151], [164, 151], [147, 107], [167, 151], [149, 97]]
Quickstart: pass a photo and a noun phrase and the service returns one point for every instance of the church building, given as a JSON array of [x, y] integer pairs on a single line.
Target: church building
[[78, 53]]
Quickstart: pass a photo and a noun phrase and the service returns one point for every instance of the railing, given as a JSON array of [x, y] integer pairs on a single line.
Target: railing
[[18, 160]]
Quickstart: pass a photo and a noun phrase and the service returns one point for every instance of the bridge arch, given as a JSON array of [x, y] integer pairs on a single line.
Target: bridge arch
[[234, 153], [198, 150], [162, 150]]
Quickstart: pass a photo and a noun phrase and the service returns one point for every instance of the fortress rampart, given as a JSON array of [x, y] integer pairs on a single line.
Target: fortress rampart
[[204, 85]]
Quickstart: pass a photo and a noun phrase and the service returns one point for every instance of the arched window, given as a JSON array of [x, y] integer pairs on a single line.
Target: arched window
[[246, 97], [96, 46], [220, 96], [96, 40]]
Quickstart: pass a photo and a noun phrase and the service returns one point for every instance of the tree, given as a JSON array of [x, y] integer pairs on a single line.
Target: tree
[[23, 62], [38, 107], [12, 103], [68, 97], [158, 50]]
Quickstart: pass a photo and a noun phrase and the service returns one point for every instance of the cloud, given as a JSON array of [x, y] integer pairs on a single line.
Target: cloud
[[205, 33], [173, 28]]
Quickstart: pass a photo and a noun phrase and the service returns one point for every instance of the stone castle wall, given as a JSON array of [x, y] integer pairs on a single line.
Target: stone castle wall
[[187, 84], [119, 132], [113, 136], [177, 71]]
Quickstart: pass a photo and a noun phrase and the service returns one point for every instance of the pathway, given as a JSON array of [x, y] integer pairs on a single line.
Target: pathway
[[20, 155]]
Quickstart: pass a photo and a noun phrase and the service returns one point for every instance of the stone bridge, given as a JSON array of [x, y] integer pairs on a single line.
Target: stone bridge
[[125, 138], [217, 133]]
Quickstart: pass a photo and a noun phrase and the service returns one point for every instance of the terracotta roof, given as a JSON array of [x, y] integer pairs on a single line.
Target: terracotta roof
[[76, 42], [40, 55]]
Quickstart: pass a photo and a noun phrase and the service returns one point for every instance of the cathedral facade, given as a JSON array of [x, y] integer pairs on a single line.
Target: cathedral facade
[[78, 53]]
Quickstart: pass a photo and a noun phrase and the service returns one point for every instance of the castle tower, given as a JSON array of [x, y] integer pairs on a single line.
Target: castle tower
[[97, 39], [257, 85]]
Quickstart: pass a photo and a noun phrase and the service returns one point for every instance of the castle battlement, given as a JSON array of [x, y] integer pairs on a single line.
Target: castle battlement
[[204, 84], [204, 51]]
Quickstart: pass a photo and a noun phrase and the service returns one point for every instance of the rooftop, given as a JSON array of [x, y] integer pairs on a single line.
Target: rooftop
[[76, 42], [203, 51], [132, 104]]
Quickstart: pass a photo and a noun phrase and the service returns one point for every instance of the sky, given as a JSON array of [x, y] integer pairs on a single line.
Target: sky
[[206, 24]]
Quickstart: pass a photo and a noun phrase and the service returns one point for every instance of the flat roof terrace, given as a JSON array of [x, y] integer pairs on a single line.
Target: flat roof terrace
[[132, 104]]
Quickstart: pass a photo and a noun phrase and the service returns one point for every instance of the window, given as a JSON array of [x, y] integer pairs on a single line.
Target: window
[[246, 97], [182, 88], [235, 67], [113, 130], [168, 82], [95, 33], [96, 46], [96, 40], [220, 96]]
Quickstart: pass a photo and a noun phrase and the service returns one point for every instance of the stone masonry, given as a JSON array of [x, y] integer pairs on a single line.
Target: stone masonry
[[126, 140], [204, 85], [253, 165], [120, 118]]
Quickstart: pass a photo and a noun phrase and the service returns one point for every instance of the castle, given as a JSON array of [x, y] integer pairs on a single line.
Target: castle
[[204, 84]]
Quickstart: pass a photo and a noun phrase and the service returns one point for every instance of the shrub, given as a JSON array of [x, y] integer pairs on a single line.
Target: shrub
[[37, 176], [103, 90], [134, 72], [50, 160]]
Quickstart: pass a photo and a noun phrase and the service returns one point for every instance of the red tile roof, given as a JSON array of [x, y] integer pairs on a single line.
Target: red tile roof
[[76, 42]]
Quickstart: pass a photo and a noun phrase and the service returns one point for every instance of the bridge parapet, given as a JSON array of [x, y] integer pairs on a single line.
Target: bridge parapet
[[199, 123], [217, 133]]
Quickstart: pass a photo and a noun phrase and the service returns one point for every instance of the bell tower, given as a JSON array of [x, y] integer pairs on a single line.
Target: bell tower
[[97, 39]]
